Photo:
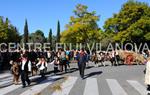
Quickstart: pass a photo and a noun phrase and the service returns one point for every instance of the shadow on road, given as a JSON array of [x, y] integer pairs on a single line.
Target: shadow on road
[[93, 74], [89, 67], [73, 70], [41, 80]]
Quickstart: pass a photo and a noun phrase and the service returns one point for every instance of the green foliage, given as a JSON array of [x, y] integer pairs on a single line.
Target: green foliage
[[131, 24], [106, 38], [82, 27], [26, 32], [50, 36], [58, 31], [147, 36], [8, 32], [37, 37]]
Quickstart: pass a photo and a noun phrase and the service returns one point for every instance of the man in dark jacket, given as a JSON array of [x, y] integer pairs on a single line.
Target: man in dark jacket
[[81, 57], [25, 69]]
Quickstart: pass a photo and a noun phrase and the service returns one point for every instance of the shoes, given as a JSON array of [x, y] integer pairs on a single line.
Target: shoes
[[148, 88], [23, 86], [16, 83], [82, 77], [29, 83]]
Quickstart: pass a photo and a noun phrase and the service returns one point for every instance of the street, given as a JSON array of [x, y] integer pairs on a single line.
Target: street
[[108, 80]]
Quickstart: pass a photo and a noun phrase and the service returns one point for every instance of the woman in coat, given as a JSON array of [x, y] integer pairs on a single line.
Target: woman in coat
[[147, 75], [81, 58]]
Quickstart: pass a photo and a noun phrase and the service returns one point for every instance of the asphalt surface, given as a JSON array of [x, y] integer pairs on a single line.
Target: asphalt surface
[[108, 80]]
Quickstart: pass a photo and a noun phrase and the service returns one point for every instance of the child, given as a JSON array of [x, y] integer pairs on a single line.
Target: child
[[56, 64], [42, 64]]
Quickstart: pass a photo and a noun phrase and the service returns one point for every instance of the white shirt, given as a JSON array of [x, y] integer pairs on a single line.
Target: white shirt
[[113, 54], [42, 65], [23, 64], [117, 53], [48, 54]]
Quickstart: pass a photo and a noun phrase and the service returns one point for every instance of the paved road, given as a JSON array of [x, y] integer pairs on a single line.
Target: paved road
[[116, 80]]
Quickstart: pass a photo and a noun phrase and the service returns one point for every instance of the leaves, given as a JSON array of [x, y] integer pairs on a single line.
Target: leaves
[[8, 33], [131, 24], [37, 37], [82, 27], [26, 32], [147, 36]]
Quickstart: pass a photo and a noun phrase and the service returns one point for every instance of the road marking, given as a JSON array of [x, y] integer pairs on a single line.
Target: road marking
[[4, 82], [115, 87], [6, 79], [4, 75], [136, 85], [91, 87], [66, 86], [9, 89], [13, 87], [40, 87]]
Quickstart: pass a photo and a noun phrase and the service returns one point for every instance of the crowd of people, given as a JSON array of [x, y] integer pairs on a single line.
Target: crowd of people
[[22, 63]]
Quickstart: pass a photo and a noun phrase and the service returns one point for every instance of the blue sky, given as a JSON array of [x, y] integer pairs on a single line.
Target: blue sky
[[44, 14]]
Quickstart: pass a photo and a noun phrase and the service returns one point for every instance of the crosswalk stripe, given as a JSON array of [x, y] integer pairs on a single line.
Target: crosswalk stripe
[[4, 82], [4, 75], [66, 86], [13, 87], [115, 87], [8, 89], [91, 87], [136, 85], [38, 88], [5, 79]]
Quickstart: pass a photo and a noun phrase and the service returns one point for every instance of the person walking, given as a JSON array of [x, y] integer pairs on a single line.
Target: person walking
[[81, 58], [1, 61], [49, 56], [68, 58], [42, 65], [56, 63], [63, 60], [147, 75], [25, 69]]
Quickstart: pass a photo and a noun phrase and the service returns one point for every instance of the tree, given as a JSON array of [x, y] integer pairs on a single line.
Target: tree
[[58, 31], [82, 27], [50, 36], [8, 32], [131, 24], [37, 37], [26, 32]]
